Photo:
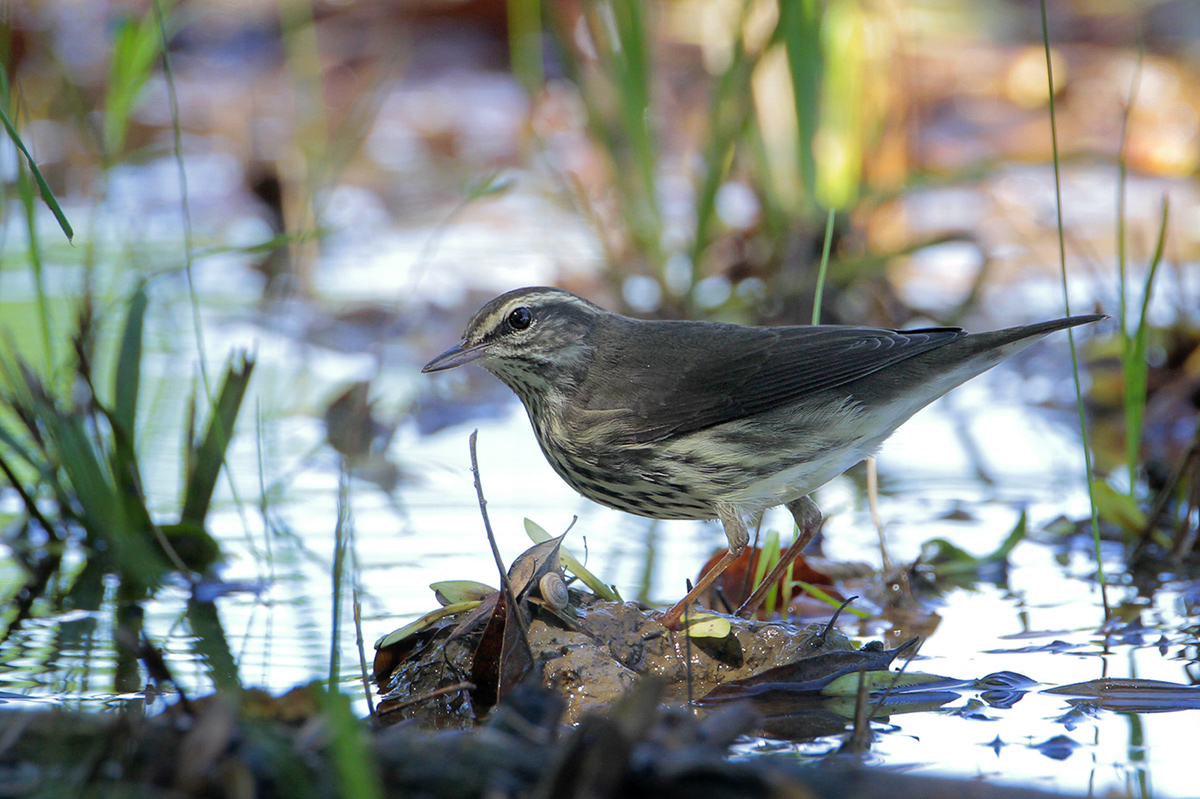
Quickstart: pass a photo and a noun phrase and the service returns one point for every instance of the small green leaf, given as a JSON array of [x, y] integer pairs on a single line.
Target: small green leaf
[[1019, 531], [707, 625], [452, 592], [423, 623], [847, 684], [1117, 508], [832, 601]]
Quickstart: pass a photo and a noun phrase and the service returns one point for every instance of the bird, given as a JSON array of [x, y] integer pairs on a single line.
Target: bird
[[712, 420]]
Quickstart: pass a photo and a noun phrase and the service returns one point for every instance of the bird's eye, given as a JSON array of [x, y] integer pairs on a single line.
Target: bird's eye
[[520, 318]]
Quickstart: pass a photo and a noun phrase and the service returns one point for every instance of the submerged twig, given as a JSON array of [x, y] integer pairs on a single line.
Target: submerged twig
[[859, 740]]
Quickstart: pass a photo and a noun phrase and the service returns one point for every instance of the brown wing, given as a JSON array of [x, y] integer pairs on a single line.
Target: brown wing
[[677, 377]]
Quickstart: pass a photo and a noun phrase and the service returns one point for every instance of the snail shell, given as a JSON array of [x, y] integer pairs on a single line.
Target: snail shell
[[553, 589]]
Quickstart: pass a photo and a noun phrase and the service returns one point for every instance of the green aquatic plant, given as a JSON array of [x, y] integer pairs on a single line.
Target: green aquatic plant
[[87, 537]]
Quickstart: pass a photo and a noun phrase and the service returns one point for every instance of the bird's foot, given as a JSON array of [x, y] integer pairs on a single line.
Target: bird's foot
[[671, 618]]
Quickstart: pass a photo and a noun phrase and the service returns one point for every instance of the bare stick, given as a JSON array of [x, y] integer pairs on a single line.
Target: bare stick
[[505, 585], [434, 694], [362, 655]]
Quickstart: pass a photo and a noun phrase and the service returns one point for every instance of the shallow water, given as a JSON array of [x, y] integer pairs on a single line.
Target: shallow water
[[983, 450], [399, 239], [962, 470]]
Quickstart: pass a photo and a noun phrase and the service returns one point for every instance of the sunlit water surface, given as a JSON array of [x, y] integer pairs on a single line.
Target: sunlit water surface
[[985, 450]]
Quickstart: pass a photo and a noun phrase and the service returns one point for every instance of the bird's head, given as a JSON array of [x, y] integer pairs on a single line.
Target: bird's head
[[529, 338]]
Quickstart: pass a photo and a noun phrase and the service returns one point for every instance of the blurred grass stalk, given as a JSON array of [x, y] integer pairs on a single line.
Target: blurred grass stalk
[[28, 175], [525, 43], [789, 111], [136, 49], [343, 534], [1134, 367], [1084, 439]]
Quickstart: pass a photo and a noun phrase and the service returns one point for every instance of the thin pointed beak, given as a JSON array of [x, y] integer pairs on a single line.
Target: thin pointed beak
[[455, 356]]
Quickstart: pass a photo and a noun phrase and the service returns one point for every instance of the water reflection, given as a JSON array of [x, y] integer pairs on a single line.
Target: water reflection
[[982, 451]]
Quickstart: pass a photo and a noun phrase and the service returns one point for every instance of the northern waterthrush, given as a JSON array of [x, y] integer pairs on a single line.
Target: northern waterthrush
[[704, 420]]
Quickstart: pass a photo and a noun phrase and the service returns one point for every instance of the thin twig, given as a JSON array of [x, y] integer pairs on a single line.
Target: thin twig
[[505, 585], [362, 655], [687, 649], [873, 504], [448, 689], [341, 533], [1165, 494]]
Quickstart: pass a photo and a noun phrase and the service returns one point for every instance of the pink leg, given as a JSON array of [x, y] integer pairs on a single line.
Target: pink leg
[[808, 521], [735, 531]]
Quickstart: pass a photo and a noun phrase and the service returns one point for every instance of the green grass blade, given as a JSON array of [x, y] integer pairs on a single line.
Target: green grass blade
[[631, 68], [1122, 180], [29, 206], [617, 96], [160, 32], [800, 29], [768, 556], [350, 746], [209, 642], [135, 49], [830, 600], [1135, 367], [105, 508], [820, 293], [525, 43], [842, 142], [729, 112], [204, 465], [342, 532], [43, 187], [13, 444], [127, 378], [1127, 344]]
